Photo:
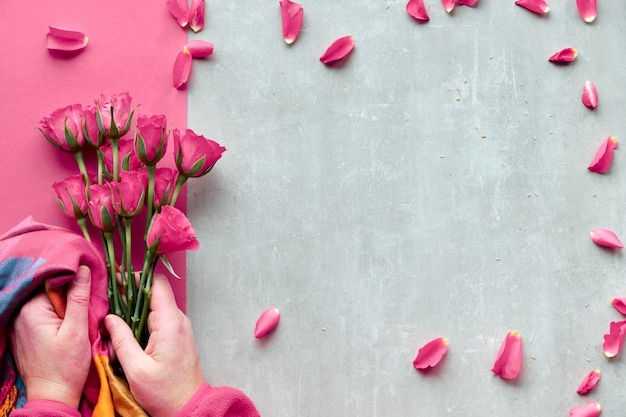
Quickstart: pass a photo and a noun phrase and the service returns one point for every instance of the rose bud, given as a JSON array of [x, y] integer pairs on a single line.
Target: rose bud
[[71, 196], [151, 138], [100, 206], [129, 192], [64, 128], [170, 231], [164, 184], [194, 154], [114, 114]]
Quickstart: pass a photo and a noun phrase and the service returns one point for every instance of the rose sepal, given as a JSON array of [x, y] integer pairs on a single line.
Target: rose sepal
[[169, 266], [108, 222], [114, 132]]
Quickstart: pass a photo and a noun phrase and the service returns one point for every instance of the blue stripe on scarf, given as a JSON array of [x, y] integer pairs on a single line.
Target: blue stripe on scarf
[[16, 277]]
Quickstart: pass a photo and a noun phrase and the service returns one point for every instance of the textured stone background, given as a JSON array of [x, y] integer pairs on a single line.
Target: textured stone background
[[434, 185]]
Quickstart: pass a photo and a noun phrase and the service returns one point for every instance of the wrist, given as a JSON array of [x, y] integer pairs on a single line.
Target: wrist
[[52, 406], [44, 390], [193, 400]]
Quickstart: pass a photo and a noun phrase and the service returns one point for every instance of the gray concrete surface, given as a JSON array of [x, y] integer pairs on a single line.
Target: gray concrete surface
[[434, 185]]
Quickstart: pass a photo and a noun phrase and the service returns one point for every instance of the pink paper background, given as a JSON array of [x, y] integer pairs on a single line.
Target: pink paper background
[[132, 47]]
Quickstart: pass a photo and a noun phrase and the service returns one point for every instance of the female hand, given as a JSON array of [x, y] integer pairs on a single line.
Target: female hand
[[167, 374], [53, 355]]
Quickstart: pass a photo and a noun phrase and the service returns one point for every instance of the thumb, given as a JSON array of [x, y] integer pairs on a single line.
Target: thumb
[[78, 295], [126, 348]]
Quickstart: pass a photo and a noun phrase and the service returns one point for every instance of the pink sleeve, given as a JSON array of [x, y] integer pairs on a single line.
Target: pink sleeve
[[45, 408], [211, 401]]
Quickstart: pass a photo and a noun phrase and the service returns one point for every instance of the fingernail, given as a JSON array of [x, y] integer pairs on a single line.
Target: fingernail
[[110, 323], [83, 275]]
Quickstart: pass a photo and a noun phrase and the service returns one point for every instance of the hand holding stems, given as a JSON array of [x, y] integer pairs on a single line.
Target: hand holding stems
[[167, 374], [53, 355]]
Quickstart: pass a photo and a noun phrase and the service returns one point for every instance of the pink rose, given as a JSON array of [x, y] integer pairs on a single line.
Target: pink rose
[[171, 231], [114, 114], [164, 183], [128, 160], [64, 128], [101, 207], [129, 192], [195, 155], [71, 197], [90, 128], [151, 138]]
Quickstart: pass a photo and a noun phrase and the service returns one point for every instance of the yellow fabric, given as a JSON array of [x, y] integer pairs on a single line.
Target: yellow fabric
[[125, 404], [9, 402], [115, 398], [57, 298], [104, 407]]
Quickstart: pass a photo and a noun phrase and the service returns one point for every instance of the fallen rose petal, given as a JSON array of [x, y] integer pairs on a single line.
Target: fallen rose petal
[[267, 322], [468, 3], [448, 5], [338, 50], [291, 14], [607, 238], [564, 56], [417, 10], [196, 15], [587, 410], [590, 96], [535, 6], [619, 303], [587, 10], [180, 10], [431, 353], [509, 361], [65, 40], [199, 48], [604, 156], [614, 340], [182, 68], [589, 383]]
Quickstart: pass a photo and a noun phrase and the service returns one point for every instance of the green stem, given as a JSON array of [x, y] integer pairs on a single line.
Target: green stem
[[78, 155], [148, 262], [100, 156], [82, 223], [121, 230], [108, 265], [115, 151], [150, 196], [179, 185], [147, 290], [130, 273], [116, 307]]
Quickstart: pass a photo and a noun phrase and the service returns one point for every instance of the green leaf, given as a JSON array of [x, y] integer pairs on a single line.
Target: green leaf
[[168, 265]]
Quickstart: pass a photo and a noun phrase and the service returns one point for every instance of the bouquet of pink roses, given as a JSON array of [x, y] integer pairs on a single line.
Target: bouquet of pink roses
[[127, 183]]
